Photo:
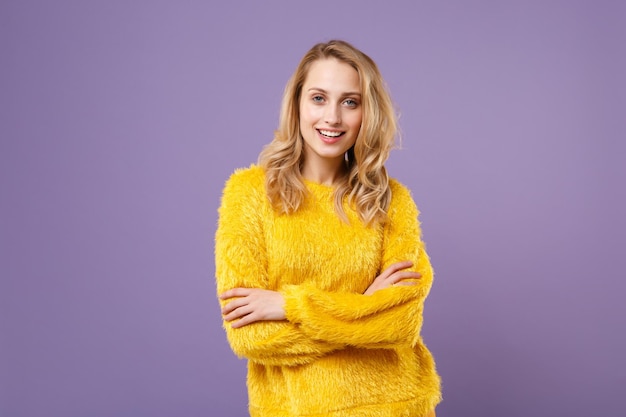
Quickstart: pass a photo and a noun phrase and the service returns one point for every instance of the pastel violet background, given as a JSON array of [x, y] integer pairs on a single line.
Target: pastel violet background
[[121, 120]]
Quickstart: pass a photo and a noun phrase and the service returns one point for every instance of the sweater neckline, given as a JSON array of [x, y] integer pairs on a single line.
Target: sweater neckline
[[318, 186]]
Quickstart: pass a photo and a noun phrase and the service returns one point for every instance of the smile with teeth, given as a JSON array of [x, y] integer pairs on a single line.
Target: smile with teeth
[[330, 134]]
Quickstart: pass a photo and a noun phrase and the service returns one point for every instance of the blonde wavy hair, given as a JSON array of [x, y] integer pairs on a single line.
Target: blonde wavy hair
[[366, 183]]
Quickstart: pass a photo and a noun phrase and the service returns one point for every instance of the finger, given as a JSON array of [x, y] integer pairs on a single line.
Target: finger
[[238, 313], [233, 305], [393, 268], [244, 321], [235, 292], [402, 265], [399, 276], [404, 284], [403, 275], [399, 266]]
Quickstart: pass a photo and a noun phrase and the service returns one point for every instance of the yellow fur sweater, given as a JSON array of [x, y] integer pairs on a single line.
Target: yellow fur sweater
[[339, 353]]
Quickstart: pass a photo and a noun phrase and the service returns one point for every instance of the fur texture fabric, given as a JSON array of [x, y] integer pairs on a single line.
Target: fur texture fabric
[[339, 353]]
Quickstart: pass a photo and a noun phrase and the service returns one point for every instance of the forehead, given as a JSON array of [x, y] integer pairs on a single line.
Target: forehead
[[332, 75]]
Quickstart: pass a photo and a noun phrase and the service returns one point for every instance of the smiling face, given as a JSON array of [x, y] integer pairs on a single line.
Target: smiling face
[[330, 117]]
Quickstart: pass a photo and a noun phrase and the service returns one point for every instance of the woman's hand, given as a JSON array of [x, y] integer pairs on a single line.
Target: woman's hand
[[250, 305], [395, 274]]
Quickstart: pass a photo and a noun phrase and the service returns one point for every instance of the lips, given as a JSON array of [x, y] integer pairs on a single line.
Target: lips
[[330, 136], [331, 133]]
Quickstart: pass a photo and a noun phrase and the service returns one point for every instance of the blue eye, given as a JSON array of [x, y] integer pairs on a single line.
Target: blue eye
[[351, 102], [317, 99]]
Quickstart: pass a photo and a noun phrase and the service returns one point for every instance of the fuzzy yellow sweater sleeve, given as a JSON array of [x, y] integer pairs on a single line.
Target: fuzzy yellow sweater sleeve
[[389, 317], [241, 261]]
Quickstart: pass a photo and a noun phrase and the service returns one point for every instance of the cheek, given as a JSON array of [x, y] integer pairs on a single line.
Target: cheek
[[317, 112], [355, 121], [306, 114]]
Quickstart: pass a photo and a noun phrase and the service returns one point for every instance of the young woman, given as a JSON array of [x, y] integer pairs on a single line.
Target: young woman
[[321, 270]]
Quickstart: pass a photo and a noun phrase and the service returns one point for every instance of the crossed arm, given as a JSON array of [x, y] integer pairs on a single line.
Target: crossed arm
[[301, 323], [249, 305]]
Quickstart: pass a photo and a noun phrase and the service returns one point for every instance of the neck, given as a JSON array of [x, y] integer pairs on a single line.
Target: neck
[[326, 173]]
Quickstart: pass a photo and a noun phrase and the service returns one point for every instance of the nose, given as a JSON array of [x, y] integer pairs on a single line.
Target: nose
[[332, 115]]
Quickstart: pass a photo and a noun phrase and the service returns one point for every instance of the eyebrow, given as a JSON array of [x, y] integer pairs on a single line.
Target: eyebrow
[[349, 93]]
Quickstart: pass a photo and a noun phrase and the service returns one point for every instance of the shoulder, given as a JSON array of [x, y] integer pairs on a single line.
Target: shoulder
[[245, 183], [398, 189], [400, 193], [249, 178], [252, 175], [402, 203]]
